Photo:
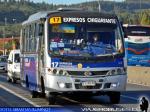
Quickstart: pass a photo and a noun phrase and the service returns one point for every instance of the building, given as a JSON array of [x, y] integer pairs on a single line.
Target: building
[[7, 44]]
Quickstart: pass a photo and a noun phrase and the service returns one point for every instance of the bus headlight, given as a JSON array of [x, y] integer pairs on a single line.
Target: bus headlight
[[54, 71], [113, 72], [59, 72], [118, 71]]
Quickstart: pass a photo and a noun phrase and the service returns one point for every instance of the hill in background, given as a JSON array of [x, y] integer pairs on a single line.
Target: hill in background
[[13, 12]]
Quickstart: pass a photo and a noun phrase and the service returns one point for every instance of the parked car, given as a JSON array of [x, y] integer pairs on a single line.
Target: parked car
[[13, 66], [3, 63]]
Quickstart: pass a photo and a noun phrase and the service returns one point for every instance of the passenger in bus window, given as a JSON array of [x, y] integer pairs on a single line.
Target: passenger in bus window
[[57, 38], [96, 40], [98, 47], [95, 47]]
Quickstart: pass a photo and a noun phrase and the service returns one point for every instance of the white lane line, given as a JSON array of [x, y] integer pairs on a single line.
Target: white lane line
[[12, 92], [129, 97]]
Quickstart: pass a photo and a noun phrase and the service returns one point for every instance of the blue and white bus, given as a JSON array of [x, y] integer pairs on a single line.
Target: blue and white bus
[[73, 51], [138, 44]]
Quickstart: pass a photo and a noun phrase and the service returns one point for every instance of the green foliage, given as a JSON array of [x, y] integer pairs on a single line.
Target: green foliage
[[129, 11], [8, 45], [145, 20], [10, 30]]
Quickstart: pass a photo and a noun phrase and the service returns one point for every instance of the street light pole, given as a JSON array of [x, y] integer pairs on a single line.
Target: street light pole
[[140, 5], [4, 34], [99, 6]]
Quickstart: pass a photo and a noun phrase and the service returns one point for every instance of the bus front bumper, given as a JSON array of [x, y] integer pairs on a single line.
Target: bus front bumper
[[72, 84]]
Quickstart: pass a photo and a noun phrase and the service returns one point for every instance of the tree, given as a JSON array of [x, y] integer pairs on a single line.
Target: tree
[[145, 19]]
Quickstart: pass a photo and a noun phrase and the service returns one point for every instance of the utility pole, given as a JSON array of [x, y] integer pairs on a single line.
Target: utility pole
[[4, 34], [99, 6], [140, 5]]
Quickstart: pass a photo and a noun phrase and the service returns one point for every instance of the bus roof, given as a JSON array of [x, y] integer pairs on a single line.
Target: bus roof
[[67, 12], [37, 16], [128, 25]]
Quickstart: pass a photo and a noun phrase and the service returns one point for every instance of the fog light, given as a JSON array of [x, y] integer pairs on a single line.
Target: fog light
[[114, 85], [61, 85]]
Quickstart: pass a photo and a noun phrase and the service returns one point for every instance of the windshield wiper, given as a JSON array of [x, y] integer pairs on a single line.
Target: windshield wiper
[[111, 48]]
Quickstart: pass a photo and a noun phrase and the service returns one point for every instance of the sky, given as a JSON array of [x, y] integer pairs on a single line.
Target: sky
[[67, 1]]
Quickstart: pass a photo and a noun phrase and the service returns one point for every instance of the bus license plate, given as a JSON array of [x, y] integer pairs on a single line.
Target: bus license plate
[[88, 83]]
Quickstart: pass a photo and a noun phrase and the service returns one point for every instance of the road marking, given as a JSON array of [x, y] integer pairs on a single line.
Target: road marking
[[27, 100], [129, 97]]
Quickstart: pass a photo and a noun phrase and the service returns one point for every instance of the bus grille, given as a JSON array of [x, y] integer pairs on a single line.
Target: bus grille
[[79, 86], [82, 73]]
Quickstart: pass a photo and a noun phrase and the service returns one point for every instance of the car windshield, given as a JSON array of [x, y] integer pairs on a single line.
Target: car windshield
[[3, 59], [17, 58], [84, 39]]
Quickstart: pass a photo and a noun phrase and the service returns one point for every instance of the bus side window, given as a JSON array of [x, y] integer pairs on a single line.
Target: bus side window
[[32, 38], [25, 39], [22, 39], [37, 37], [34, 33]]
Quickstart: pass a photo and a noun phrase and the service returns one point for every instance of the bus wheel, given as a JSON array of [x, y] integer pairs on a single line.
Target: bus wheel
[[27, 82], [42, 87], [114, 97], [34, 94], [13, 80], [51, 99]]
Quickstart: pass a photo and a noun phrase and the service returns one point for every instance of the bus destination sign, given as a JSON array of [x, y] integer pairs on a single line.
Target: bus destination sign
[[59, 20]]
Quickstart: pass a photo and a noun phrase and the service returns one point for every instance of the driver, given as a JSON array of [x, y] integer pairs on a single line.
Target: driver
[[96, 41], [95, 47]]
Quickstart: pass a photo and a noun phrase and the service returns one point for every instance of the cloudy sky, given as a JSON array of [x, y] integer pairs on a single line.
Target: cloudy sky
[[66, 1]]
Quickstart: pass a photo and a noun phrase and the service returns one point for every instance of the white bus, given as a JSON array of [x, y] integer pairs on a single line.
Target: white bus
[[73, 51], [137, 44]]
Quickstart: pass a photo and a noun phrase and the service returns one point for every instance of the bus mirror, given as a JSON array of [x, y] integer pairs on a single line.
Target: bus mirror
[[121, 22], [125, 36]]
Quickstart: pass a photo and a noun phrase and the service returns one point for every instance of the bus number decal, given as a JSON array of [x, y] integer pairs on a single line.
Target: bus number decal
[[55, 64], [55, 20]]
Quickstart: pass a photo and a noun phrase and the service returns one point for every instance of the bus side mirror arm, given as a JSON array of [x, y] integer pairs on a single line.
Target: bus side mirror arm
[[41, 30], [41, 26]]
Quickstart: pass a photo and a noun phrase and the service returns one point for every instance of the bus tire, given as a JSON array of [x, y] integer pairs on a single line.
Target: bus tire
[[34, 94], [13, 80], [42, 88], [114, 97], [51, 99], [27, 82]]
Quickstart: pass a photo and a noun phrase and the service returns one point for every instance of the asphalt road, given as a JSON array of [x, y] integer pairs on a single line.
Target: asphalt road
[[14, 95]]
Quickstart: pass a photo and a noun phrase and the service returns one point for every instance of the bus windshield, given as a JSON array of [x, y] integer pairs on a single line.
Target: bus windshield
[[85, 40]]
